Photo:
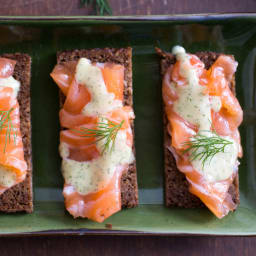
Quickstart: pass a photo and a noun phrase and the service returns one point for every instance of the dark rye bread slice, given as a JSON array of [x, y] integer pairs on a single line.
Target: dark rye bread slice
[[19, 198], [123, 56], [176, 186]]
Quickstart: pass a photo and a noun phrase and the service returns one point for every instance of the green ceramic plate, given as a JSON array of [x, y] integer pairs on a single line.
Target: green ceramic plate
[[42, 37]]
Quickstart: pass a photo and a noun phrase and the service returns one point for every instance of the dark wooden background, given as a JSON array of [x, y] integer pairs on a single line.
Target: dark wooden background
[[127, 245], [125, 7]]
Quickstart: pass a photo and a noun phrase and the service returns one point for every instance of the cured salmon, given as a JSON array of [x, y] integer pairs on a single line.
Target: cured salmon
[[104, 202], [224, 123], [11, 146]]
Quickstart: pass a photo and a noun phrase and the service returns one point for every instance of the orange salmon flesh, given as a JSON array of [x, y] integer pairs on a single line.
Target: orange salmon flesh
[[11, 146], [99, 205], [216, 81]]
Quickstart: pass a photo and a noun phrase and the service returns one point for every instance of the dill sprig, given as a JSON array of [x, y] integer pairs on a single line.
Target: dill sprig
[[6, 122], [100, 6], [204, 147], [105, 131]]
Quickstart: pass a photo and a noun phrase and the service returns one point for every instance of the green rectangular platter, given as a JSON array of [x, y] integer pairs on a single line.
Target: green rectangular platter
[[42, 37]]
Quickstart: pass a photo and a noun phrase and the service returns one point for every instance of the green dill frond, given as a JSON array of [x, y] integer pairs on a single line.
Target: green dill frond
[[101, 7], [204, 147], [106, 131], [6, 122]]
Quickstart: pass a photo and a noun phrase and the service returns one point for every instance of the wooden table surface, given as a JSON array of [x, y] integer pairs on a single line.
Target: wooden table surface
[[127, 245]]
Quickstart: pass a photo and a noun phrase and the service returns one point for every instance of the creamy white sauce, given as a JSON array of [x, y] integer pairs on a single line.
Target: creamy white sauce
[[221, 166], [193, 104], [215, 102], [94, 175], [195, 107], [63, 149], [11, 82], [101, 100], [7, 177]]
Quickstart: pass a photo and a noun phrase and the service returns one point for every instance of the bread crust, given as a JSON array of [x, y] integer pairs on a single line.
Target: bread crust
[[176, 185], [123, 56]]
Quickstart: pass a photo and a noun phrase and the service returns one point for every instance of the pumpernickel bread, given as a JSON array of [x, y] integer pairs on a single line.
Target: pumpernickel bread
[[176, 186], [123, 56], [19, 197]]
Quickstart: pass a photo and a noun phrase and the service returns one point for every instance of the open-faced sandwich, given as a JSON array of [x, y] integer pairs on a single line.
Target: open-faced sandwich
[[97, 138], [15, 134], [201, 137]]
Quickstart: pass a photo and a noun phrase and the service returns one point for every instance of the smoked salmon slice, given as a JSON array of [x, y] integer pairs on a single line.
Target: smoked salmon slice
[[83, 148], [189, 73], [95, 206], [6, 67], [11, 146]]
